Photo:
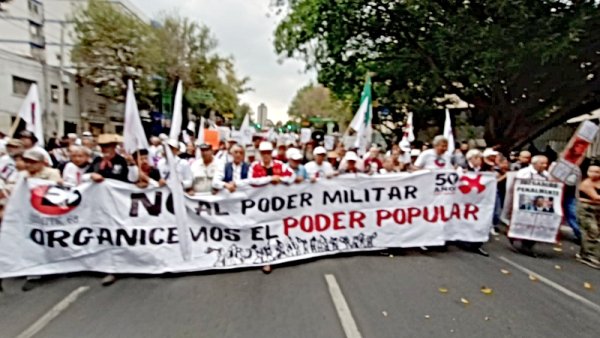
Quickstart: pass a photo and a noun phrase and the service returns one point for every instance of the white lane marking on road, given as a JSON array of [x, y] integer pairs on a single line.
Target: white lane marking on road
[[54, 312], [341, 306], [553, 285]]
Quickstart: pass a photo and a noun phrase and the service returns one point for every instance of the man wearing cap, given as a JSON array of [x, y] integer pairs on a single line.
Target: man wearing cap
[[112, 165], [267, 170], [183, 167], [35, 166], [204, 169], [295, 157], [319, 167], [489, 159], [351, 164], [332, 158], [77, 170], [436, 158], [233, 174], [30, 142]]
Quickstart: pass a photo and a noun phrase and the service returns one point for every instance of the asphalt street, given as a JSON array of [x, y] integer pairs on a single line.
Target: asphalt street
[[400, 293]]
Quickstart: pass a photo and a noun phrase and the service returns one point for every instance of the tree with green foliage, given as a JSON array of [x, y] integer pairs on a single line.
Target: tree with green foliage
[[318, 101], [523, 65], [189, 54], [113, 47]]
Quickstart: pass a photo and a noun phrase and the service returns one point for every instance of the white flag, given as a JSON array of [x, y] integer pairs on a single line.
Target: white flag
[[31, 113], [361, 123], [448, 133], [200, 138], [246, 130], [134, 137], [177, 118], [174, 184], [186, 136]]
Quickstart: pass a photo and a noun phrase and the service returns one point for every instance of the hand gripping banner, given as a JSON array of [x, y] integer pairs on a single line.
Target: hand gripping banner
[[117, 228]]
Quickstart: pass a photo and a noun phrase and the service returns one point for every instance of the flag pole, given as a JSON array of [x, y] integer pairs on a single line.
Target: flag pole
[[15, 125]]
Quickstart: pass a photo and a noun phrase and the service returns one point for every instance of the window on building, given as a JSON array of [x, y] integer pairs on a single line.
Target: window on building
[[35, 30], [54, 93], [66, 91], [21, 85], [34, 7]]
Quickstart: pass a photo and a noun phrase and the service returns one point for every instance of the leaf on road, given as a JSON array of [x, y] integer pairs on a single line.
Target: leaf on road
[[587, 285], [443, 290], [464, 301], [557, 249], [533, 278], [505, 272], [486, 290], [558, 267]]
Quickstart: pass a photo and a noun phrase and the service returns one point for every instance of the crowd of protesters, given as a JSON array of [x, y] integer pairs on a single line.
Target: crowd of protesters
[[204, 169]]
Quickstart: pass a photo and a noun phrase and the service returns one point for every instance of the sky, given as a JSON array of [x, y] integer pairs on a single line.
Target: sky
[[244, 30]]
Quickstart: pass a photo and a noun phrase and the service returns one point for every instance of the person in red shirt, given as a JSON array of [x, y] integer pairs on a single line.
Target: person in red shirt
[[267, 170], [372, 161]]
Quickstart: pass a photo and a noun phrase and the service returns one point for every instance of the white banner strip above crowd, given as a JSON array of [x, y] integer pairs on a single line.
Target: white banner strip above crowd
[[115, 227]]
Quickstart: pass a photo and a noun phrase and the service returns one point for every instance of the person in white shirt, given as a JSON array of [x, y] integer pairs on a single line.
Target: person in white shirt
[[436, 158], [232, 174], [319, 167], [155, 150], [225, 154], [535, 171], [204, 169], [76, 171], [9, 173], [183, 167]]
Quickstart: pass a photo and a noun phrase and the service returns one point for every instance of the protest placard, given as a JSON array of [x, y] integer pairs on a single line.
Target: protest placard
[[536, 211]]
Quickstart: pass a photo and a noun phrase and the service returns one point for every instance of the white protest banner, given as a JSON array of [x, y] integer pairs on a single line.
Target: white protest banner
[[329, 142], [536, 211], [305, 135], [115, 227]]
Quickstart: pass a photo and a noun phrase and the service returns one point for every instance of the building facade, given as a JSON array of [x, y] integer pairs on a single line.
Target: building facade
[[32, 33], [17, 73]]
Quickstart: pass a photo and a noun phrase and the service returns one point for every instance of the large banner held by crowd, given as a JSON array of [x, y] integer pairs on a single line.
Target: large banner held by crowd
[[117, 228], [537, 210]]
